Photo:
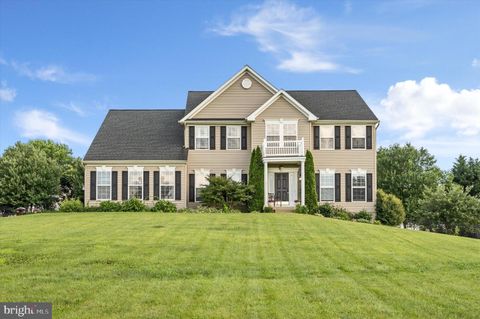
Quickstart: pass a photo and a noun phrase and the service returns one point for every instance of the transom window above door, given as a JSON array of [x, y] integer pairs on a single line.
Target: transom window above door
[[280, 130]]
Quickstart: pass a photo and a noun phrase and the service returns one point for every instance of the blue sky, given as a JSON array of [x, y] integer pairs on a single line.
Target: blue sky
[[63, 64]]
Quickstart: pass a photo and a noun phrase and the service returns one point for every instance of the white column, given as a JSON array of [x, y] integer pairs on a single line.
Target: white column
[[302, 163], [265, 184]]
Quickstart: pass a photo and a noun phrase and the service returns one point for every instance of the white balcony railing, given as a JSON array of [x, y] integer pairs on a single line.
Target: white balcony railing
[[283, 148]]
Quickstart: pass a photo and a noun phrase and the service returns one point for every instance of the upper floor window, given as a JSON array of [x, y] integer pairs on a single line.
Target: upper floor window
[[202, 138], [201, 180], [167, 182], [327, 134], [235, 174], [359, 185], [104, 183], [358, 136], [233, 137], [281, 130], [135, 182], [327, 185]]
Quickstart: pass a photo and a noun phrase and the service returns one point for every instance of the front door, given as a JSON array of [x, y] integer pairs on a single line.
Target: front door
[[281, 187]]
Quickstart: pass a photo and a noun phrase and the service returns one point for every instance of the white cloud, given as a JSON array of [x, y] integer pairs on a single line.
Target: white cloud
[[418, 108], [7, 94], [51, 73], [293, 34], [74, 107], [476, 63], [41, 124]]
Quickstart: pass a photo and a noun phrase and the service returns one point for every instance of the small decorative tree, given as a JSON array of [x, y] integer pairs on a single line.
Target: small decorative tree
[[224, 193], [256, 180], [310, 190]]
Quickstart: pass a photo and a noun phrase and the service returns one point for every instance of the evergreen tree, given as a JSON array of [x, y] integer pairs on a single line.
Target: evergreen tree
[[256, 180], [310, 190]]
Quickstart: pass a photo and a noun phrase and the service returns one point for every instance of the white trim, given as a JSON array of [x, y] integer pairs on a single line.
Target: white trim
[[358, 171], [364, 138], [208, 137], [165, 169], [225, 86], [309, 115], [239, 137], [232, 172], [103, 168], [320, 137], [205, 173], [281, 122]]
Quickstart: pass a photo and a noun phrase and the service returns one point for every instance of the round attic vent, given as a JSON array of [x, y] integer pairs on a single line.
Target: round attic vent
[[246, 83]]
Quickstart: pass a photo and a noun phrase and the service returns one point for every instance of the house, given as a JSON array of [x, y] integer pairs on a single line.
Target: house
[[168, 154]]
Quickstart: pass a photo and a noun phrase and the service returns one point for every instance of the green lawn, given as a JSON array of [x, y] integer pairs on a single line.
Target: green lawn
[[154, 265]]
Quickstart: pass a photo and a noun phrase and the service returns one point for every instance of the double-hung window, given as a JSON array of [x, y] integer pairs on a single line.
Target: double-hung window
[[281, 130], [273, 131], [359, 185], [233, 137], [359, 137], [327, 134], [327, 185], [202, 137], [135, 182], [235, 174], [104, 183], [167, 183], [289, 131], [201, 180]]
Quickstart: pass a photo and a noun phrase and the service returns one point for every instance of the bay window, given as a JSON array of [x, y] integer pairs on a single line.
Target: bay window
[[358, 136], [167, 183], [202, 137], [327, 133], [233, 137], [135, 182], [104, 183], [327, 185], [359, 185]]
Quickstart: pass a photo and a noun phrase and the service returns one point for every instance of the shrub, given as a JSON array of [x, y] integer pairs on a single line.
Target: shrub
[[341, 213], [164, 206], [301, 209], [133, 205], [71, 205], [363, 214], [310, 189], [208, 210], [109, 206], [268, 209], [326, 210], [226, 194], [389, 209]]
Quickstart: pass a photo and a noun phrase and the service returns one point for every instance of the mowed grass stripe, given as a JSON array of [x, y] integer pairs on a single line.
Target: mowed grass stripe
[[144, 265]]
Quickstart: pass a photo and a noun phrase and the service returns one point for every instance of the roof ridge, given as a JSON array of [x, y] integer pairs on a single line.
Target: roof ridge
[[155, 110], [342, 90]]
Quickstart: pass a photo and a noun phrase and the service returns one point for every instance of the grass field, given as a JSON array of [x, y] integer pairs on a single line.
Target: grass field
[[154, 265]]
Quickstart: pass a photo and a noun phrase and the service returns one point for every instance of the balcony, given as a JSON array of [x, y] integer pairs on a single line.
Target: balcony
[[283, 148]]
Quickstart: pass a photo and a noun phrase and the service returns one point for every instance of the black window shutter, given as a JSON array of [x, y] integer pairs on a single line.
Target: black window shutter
[[212, 137], [337, 137], [223, 175], [178, 185], [316, 137], [114, 185], [212, 174], [317, 185], [223, 137], [124, 185], [191, 187], [244, 137], [369, 187], [93, 185], [146, 183], [244, 179], [348, 137], [369, 137], [338, 196], [348, 187], [191, 137], [156, 185]]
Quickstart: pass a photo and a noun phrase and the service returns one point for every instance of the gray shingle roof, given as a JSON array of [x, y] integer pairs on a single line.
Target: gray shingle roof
[[139, 135], [326, 104]]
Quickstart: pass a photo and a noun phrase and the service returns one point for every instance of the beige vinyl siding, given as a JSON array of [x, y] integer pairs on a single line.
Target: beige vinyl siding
[[280, 109], [236, 102], [146, 167], [343, 161]]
